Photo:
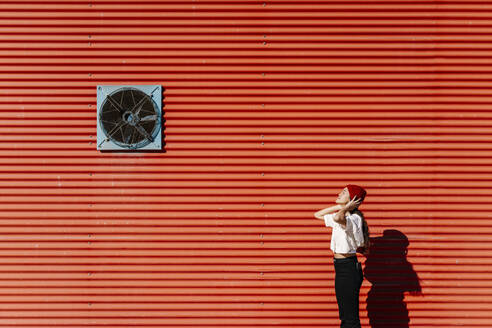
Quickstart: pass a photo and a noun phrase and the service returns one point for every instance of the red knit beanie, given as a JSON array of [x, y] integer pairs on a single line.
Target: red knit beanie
[[357, 191]]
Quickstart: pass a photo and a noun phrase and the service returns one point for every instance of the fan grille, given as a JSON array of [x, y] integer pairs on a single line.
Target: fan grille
[[128, 117]]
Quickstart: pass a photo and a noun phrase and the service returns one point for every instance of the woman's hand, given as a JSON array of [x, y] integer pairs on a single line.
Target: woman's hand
[[352, 204]]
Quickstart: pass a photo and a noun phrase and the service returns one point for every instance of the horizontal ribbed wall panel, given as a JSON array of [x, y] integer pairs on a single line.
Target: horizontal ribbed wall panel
[[270, 108]]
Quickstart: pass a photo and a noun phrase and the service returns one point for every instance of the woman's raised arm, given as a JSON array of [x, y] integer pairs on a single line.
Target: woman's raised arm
[[321, 213]]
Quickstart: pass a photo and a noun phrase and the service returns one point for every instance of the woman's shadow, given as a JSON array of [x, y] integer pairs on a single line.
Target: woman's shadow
[[391, 275]]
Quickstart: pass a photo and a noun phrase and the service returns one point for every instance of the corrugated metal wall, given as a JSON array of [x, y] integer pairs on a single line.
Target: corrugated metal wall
[[270, 108]]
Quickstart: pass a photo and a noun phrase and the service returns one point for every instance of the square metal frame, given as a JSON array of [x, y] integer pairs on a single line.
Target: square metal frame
[[154, 92]]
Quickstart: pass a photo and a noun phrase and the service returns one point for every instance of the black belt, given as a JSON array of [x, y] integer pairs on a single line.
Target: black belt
[[346, 259]]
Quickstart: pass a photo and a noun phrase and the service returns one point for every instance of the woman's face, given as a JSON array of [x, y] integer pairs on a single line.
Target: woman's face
[[343, 196]]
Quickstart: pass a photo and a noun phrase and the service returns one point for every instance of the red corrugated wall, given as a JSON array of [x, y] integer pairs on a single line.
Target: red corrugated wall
[[270, 108]]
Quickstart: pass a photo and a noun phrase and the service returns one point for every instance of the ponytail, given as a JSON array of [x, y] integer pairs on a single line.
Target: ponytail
[[367, 241], [364, 249]]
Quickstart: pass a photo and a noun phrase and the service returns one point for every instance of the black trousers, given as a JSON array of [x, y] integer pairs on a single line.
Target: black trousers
[[348, 279]]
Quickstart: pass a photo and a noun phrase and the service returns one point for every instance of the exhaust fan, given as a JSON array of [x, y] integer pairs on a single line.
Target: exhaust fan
[[129, 117]]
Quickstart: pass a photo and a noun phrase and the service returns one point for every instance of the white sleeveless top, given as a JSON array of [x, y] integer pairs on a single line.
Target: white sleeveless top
[[345, 240]]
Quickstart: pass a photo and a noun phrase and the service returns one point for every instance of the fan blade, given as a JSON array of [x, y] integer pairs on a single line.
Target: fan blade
[[148, 118], [140, 103], [139, 109], [144, 133], [129, 137]]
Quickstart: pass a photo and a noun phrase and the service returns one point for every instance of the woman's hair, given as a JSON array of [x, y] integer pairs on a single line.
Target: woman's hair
[[365, 229]]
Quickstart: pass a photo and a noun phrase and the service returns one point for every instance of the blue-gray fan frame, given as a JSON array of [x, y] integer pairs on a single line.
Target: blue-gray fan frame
[[129, 116]]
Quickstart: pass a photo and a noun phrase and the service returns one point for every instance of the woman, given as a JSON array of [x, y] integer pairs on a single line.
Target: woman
[[349, 235]]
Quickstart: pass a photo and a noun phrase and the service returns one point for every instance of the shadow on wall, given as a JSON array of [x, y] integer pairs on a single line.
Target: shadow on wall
[[391, 275]]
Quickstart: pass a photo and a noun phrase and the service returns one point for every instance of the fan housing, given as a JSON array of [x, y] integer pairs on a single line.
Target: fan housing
[[129, 117]]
